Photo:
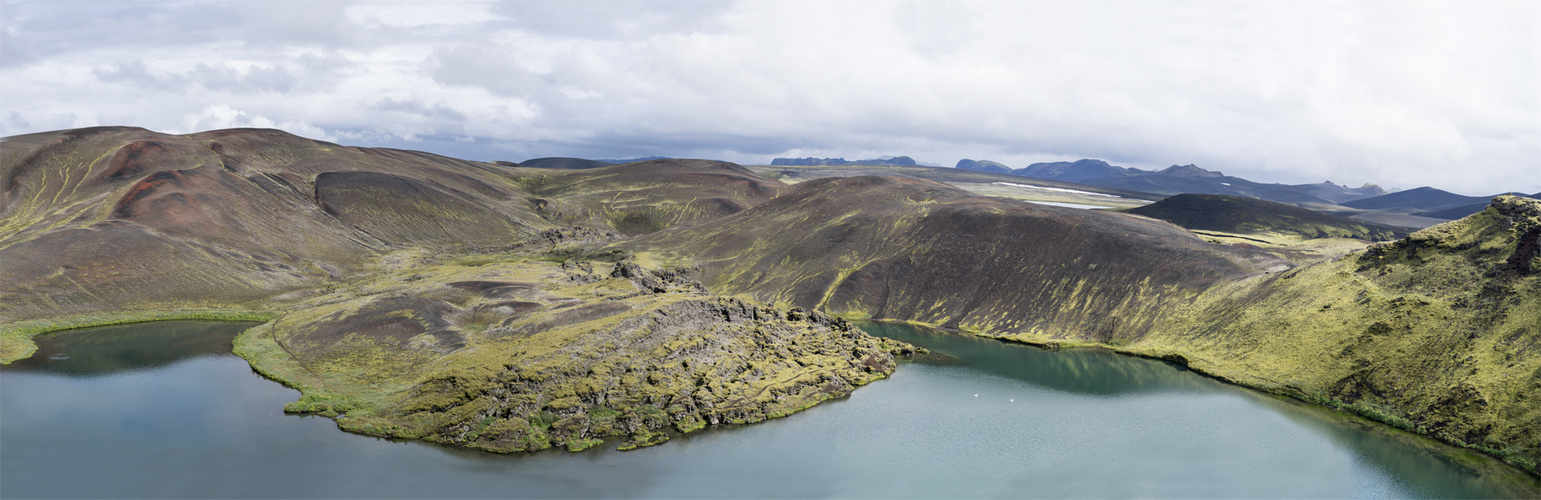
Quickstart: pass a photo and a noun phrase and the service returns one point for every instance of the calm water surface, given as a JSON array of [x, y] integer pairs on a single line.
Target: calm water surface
[[164, 410]]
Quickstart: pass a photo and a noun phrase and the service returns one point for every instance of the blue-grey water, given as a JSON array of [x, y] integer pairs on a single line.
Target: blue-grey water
[[163, 410]]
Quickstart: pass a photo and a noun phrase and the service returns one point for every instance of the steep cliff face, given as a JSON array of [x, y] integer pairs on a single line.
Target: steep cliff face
[[523, 355], [1438, 332]]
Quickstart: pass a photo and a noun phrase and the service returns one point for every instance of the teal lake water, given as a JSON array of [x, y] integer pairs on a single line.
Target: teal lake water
[[164, 410]]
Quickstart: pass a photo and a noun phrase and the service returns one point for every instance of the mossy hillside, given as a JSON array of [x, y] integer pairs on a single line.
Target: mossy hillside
[[405, 210], [74, 178], [136, 234], [648, 196], [1309, 332], [116, 218], [116, 267], [526, 354], [1437, 333], [896, 248], [1290, 247]]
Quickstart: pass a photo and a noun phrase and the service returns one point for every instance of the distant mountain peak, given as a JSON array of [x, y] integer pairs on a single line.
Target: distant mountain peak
[[1190, 170], [983, 166]]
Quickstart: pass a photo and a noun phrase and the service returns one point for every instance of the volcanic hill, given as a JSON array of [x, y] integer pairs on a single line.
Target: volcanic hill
[[1424, 201], [880, 247], [373, 266], [1435, 333], [503, 307]]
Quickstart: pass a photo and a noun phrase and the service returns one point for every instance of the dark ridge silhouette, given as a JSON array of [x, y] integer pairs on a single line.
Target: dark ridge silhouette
[[563, 163], [983, 166], [1178, 179], [1074, 171], [1240, 214], [1421, 201]]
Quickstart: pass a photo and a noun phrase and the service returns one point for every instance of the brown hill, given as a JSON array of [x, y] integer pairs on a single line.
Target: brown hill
[[917, 250], [132, 217], [116, 218], [1433, 333], [416, 293], [646, 196], [407, 276]]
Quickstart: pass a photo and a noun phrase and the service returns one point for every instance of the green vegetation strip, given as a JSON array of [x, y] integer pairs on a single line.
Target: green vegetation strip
[[1512, 455]]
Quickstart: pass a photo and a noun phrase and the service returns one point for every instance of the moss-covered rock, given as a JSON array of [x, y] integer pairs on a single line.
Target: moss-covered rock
[[590, 353]]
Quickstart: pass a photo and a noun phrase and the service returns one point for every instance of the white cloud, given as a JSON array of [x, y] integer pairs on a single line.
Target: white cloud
[[1401, 94]]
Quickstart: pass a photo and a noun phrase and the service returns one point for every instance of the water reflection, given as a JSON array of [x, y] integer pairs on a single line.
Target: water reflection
[[1434, 469], [1079, 371], [1001, 421], [112, 349], [1420, 465]]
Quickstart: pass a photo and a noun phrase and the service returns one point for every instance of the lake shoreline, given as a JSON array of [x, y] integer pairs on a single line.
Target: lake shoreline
[[28, 329], [966, 362], [1370, 414]]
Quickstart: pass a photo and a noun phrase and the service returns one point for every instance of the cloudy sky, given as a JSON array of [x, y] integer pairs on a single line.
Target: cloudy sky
[[1402, 94]]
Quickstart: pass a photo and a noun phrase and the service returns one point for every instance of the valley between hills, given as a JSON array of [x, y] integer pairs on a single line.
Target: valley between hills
[[508, 308]]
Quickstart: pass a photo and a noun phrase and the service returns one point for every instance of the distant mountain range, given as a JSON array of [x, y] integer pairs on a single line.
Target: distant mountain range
[[983, 166], [1178, 179], [897, 160], [1421, 201]]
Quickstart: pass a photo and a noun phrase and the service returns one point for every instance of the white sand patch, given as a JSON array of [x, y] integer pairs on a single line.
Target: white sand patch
[[1067, 205], [1062, 190]]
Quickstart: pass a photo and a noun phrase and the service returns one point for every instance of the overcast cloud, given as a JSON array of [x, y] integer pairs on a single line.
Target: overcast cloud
[[1398, 93]]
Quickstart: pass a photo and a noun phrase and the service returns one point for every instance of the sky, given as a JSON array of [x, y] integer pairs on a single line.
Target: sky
[[1401, 94]]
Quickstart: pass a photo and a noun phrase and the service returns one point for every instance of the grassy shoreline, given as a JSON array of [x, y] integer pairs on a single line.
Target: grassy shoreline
[[1373, 414]]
